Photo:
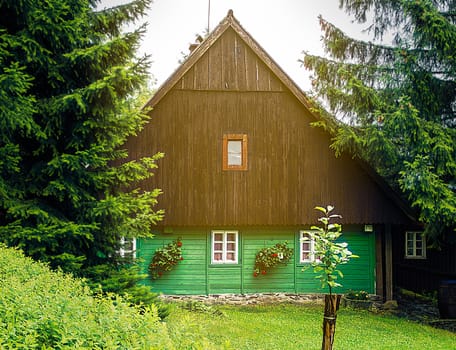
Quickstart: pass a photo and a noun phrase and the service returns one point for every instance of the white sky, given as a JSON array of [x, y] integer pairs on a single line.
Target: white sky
[[284, 28]]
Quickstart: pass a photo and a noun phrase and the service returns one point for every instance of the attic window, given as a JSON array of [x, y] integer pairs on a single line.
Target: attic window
[[235, 152]]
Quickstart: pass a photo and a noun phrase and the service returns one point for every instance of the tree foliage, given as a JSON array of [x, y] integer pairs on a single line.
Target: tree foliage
[[69, 76], [329, 252], [398, 99]]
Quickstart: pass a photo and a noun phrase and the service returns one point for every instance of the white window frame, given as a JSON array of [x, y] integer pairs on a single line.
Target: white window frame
[[224, 251], [127, 252], [411, 236], [301, 247]]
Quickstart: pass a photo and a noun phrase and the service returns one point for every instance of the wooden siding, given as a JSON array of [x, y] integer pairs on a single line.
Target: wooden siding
[[229, 85], [230, 65], [195, 274], [423, 274], [291, 168]]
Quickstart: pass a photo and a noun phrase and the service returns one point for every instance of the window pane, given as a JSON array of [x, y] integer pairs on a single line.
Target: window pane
[[231, 237], [409, 245], [305, 256], [218, 237], [218, 256], [231, 247], [218, 246], [306, 246], [235, 152], [128, 245], [230, 256]]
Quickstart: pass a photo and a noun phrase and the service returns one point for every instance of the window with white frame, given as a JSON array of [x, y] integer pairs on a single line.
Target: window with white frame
[[225, 247], [127, 248], [307, 247], [415, 245]]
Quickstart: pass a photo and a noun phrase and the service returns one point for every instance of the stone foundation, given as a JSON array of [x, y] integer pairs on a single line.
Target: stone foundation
[[248, 299]]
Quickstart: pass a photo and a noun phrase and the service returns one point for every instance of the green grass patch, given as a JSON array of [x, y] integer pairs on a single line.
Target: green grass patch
[[290, 327]]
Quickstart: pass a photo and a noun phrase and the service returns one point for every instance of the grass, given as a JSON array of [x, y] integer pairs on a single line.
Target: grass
[[286, 326]]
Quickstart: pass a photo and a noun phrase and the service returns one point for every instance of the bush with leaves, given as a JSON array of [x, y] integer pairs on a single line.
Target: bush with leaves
[[42, 309], [166, 258], [270, 257], [357, 295]]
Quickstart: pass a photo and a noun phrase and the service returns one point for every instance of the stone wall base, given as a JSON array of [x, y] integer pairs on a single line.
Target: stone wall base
[[248, 299]]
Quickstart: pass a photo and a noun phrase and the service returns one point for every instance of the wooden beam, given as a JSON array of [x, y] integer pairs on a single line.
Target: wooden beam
[[380, 283], [388, 263]]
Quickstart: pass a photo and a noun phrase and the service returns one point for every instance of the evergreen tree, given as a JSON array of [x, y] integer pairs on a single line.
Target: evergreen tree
[[69, 76], [397, 100]]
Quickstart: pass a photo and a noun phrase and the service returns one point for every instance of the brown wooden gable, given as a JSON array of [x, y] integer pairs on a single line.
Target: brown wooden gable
[[230, 65], [229, 59], [291, 167]]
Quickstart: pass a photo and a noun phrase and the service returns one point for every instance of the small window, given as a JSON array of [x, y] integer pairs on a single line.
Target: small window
[[307, 247], [415, 245], [224, 247], [235, 152], [127, 248]]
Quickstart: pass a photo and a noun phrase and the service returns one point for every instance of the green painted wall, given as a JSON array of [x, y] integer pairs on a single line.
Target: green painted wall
[[196, 275]]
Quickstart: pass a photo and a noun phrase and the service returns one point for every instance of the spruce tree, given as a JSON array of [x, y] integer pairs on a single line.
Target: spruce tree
[[396, 98], [69, 77]]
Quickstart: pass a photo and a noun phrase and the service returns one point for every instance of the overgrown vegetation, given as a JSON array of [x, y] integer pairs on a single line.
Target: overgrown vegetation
[[44, 309], [41, 309]]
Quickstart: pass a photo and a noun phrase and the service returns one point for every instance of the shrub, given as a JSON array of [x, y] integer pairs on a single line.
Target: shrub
[[44, 309], [357, 295]]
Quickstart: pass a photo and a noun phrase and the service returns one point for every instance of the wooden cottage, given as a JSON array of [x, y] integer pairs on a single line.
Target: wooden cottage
[[244, 169]]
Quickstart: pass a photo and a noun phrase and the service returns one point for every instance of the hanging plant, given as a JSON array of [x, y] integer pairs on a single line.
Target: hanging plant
[[166, 258], [268, 258]]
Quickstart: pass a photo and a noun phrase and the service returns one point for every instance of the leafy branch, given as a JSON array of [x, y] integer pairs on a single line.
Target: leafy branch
[[330, 253]]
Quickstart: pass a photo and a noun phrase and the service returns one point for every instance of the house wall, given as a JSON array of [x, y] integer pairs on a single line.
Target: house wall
[[196, 275], [229, 85], [422, 275], [291, 168]]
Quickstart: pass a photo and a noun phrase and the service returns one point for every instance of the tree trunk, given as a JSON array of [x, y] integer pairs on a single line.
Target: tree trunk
[[329, 320]]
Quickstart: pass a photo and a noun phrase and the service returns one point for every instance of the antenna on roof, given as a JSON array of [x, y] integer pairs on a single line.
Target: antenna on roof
[[208, 16]]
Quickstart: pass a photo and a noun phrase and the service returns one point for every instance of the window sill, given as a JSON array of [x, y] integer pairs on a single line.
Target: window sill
[[224, 265], [415, 257]]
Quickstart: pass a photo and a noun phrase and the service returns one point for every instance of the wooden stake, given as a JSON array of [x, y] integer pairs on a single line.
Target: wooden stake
[[329, 320]]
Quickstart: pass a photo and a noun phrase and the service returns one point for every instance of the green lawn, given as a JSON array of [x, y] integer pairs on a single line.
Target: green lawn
[[287, 327]]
